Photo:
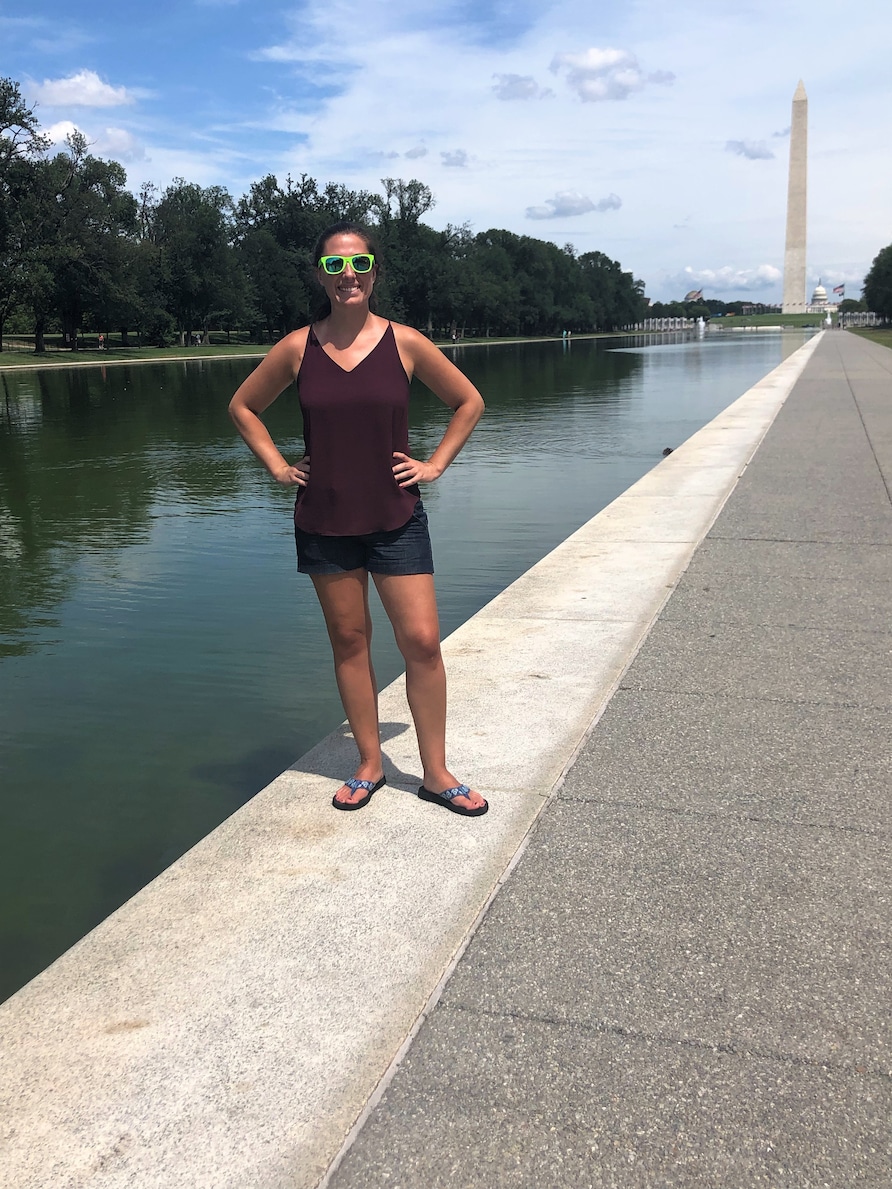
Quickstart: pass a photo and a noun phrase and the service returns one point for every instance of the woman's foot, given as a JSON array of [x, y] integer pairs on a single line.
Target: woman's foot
[[449, 792], [356, 793]]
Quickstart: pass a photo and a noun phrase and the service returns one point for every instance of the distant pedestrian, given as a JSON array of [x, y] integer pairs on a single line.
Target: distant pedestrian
[[358, 509]]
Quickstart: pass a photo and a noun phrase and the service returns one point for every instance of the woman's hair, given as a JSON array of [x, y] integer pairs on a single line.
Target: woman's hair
[[344, 227]]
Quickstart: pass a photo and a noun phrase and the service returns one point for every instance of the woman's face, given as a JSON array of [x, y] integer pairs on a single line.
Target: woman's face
[[347, 288]]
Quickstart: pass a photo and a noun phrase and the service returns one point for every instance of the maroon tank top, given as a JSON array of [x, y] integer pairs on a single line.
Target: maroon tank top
[[353, 422]]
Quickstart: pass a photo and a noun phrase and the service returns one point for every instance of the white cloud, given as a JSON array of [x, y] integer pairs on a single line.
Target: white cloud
[[278, 53], [60, 131], [515, 86], [115, 144], [457, 159], [84, 89], [119, 145], [728, 279], [568, 203], [419, 151], [753, 150], [598, 74], [784, 132]]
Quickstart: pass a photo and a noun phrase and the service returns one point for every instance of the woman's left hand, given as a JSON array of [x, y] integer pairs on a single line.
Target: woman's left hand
[[408, 470]]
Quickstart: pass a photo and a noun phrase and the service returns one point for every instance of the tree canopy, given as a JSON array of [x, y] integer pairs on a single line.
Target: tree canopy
[[79, 252], [878, 283]]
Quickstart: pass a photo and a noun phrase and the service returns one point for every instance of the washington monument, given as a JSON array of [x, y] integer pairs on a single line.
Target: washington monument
[[794, 254]]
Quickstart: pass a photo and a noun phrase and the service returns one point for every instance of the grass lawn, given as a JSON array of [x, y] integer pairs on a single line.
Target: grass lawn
[[881, 335], [18, 354], [732, 320]]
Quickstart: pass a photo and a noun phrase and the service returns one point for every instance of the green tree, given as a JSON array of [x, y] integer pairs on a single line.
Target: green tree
[[618, 298], [21, 143], [97, 223], [495, 299], [408, 246], [41, 205], [191, 229], [878, 284]]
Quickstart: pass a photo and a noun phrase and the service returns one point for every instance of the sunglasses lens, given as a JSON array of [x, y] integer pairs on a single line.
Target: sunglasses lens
[[362, 264], [333, 264]]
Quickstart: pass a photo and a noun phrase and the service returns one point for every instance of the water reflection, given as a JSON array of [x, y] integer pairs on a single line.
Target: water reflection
[[159, 659]]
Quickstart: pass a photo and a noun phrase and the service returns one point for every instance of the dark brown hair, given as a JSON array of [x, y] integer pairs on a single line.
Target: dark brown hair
[[344, 227]]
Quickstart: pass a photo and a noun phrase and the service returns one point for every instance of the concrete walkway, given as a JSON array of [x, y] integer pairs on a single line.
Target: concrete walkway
[[686, 980], [681, 982]]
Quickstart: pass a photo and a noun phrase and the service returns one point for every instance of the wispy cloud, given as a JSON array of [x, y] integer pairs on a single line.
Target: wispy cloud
[[457, 159], [119, 144], [753, 150], [83, 89], [568, 203], [729, 280], [419, 150], [519, 86], [599, 74]]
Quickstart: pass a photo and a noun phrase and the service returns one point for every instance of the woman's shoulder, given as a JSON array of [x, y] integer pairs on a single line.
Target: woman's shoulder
[[412, 341], [293, 346], [284, 358]]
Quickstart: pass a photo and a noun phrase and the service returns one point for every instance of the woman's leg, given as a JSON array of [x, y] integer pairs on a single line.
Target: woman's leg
[[411, 606], [345, 605]]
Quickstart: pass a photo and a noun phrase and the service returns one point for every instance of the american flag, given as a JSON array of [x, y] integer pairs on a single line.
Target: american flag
[[840, 289]]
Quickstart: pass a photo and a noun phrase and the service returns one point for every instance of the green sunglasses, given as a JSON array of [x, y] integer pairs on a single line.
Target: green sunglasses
[[333, 265]]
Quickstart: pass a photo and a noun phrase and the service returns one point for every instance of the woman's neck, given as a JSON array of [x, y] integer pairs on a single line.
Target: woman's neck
[[344, 326]]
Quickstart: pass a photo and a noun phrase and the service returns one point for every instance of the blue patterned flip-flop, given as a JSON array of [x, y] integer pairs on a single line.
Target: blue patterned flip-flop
[[446, 799], [355, 784]]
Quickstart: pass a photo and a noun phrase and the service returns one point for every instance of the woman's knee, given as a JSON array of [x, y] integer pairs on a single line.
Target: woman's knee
[[348, 641], [420, 646]]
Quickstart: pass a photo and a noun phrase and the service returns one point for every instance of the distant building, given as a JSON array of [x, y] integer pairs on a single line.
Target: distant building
[[819, 303]]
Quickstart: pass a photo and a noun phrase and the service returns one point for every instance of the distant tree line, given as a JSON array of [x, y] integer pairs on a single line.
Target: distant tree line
[[708, 307], [878, 284], [79, 252]]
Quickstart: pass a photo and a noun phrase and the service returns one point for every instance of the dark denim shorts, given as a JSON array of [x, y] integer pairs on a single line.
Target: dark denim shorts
[[403, 550]]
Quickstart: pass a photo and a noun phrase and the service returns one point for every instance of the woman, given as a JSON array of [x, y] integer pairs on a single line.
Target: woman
[[358, 510]]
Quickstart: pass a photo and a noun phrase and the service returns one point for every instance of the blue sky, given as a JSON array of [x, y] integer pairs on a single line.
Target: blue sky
[[652, 131]]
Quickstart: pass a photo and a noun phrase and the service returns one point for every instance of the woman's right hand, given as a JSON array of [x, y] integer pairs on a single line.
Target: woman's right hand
[[297, 475]]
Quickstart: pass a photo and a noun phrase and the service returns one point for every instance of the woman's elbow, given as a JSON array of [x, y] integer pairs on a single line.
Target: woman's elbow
[[237, 409]]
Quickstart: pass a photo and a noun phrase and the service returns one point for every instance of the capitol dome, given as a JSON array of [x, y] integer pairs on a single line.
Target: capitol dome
[[819, 297]]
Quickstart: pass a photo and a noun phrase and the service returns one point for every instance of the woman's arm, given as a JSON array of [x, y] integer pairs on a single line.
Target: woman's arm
[[257, 393], [453, 388]]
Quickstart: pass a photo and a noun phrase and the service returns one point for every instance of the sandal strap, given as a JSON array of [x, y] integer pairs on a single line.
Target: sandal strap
[[355, 784], [460, 790]]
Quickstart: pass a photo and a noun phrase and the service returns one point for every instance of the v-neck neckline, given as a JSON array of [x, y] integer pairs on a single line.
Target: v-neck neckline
[[348, 371]]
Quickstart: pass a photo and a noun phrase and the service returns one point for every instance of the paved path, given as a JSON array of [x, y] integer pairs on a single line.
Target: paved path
[[685, 982]]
